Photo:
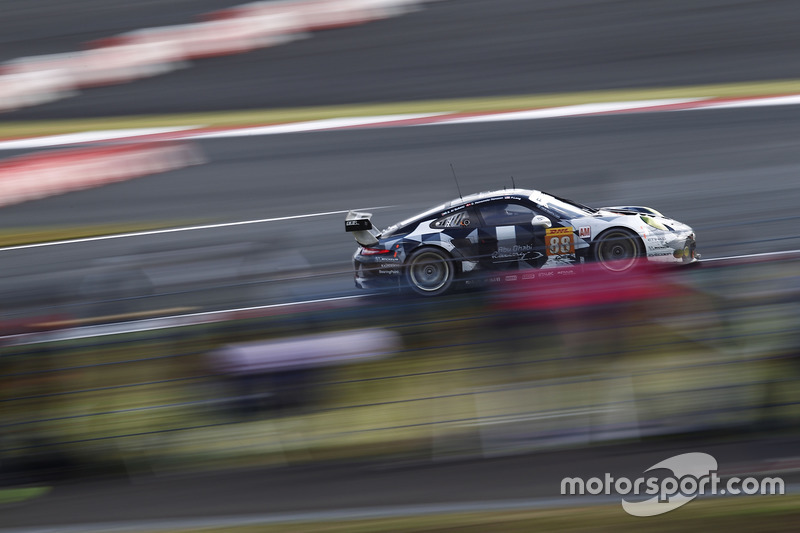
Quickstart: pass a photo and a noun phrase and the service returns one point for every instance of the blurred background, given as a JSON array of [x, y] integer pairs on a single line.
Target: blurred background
[[180, 338]]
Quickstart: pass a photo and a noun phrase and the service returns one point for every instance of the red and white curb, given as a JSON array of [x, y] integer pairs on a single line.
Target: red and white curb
[[399, 120], [34, 80], [138, 152], [36, 176], [88, 137]]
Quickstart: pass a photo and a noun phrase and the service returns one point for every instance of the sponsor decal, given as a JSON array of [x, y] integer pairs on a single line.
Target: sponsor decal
[[560, 241], [453, 209], [392, 271], [358, 224], [518, 252], [585, 232]]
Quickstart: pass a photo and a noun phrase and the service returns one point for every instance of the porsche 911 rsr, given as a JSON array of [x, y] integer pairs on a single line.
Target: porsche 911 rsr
[[510, 230]]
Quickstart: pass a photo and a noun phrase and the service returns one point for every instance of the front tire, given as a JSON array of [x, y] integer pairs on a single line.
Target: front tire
[[429, 271], [618, 250]]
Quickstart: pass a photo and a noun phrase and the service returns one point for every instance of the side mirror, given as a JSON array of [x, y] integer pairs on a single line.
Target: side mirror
[[541, 220]]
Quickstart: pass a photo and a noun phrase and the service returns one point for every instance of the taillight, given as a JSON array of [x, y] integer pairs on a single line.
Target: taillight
[[374, 251]]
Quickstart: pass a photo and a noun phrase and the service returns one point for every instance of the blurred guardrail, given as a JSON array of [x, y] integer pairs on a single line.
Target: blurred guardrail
[[578, 361]]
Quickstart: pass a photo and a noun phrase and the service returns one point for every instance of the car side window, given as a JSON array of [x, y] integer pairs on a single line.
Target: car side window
[[505, 214], [463, 218]]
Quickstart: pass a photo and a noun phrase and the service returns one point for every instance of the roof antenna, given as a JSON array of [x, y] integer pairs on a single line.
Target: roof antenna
[[456, 179], [514, 185]]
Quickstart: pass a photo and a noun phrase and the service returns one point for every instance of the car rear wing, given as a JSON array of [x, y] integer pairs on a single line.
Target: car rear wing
[[360, 225]]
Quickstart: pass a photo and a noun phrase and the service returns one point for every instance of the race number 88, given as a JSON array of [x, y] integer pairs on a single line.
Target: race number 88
[[560, 241], [560, 246]]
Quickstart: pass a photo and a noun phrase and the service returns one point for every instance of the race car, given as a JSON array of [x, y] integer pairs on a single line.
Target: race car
[[517, 230]]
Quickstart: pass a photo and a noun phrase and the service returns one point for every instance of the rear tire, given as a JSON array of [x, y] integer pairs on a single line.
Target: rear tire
[[429, 271], [618, 250]]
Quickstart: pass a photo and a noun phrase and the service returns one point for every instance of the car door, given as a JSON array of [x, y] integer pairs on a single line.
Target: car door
[[460, 226], [507, 238]]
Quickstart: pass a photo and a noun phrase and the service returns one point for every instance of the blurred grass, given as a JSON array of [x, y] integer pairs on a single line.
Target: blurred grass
[[754, 513], [32, 235], [505, 103], [21, 494], [430, 407]]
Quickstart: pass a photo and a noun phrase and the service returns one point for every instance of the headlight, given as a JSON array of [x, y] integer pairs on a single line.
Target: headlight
[[650, 221]]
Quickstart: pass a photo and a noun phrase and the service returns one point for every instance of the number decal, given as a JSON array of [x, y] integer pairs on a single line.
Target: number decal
[[566, 244], [553, 246], [560, 241]]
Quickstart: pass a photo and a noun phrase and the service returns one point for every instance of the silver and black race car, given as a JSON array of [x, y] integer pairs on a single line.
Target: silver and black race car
[[491, 233]]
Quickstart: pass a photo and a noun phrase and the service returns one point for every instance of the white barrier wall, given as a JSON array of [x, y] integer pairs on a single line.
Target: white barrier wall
[[148, 52]]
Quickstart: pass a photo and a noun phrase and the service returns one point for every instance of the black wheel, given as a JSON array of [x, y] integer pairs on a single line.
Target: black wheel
[[429, 271], [617, 250]]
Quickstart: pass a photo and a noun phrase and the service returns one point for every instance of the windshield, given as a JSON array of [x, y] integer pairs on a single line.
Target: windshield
[[563, 207]]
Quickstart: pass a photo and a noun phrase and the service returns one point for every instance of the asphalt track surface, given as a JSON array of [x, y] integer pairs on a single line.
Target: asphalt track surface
[[449, 49]]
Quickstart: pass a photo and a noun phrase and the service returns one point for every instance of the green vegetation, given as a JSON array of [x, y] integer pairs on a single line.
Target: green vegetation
[[21, 494], [22, 236]]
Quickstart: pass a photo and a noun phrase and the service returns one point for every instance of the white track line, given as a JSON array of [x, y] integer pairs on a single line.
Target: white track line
[[177, 230], [313, 125], [760, 102], [86, 137], [750, 256], [176, 321], [159, 323], [568, 111]]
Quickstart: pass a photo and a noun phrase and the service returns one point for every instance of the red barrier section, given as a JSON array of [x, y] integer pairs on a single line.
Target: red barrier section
[[46, 174]]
